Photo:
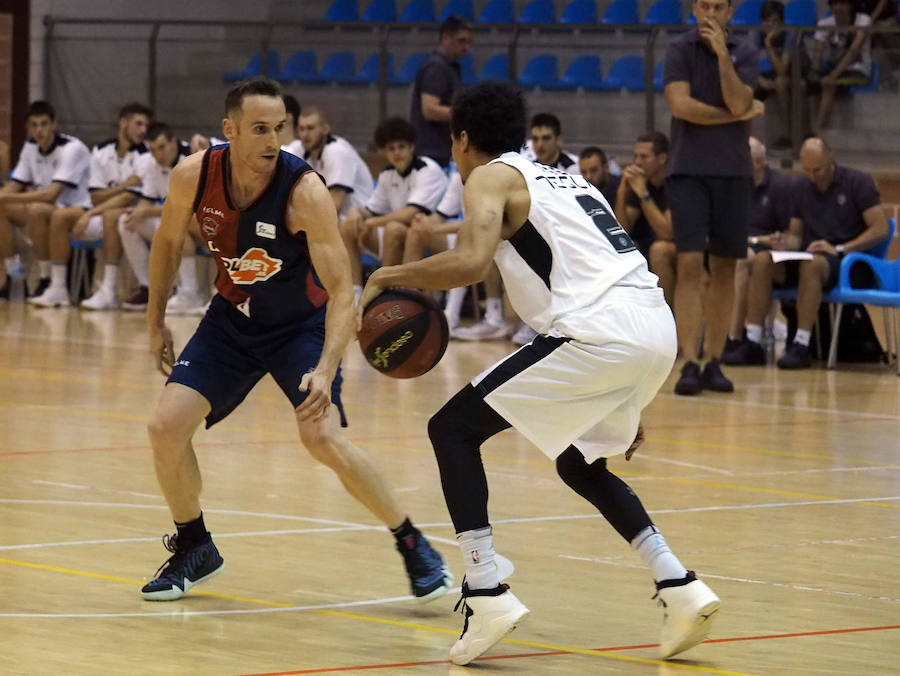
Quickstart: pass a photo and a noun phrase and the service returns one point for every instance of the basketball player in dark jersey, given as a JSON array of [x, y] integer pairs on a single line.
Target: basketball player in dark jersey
[[284, 307]]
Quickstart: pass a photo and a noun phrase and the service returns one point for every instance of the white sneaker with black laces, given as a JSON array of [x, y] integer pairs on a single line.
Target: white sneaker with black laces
[[689, 607], [490, 615]]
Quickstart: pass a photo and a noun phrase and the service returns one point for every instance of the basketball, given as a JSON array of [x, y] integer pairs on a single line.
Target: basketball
[[404, 333]]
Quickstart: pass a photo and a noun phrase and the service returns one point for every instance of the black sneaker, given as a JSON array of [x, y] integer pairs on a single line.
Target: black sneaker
[[713, 378], [183, 570], [428, 576], [731, 344], [796, 356], [747, 353], [689, 382], [43, 285], [138, 300]]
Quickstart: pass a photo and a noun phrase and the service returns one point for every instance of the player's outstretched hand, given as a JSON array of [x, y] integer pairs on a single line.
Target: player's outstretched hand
[[315, 406], [162, 347], [638, 440]]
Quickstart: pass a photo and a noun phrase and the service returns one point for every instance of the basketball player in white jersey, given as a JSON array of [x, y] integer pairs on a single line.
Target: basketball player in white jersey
[[606, 343]]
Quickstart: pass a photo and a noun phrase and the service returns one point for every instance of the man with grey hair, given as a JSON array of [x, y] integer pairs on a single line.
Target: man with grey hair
[[835, 210]]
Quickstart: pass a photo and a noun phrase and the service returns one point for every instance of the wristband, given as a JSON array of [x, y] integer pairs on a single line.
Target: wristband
[[840, 249]]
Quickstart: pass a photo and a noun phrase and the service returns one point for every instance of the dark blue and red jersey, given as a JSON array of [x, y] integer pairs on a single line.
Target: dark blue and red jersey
[[264, 270]]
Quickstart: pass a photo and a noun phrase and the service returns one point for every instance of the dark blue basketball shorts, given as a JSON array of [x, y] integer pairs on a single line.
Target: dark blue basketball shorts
[[229, 353]]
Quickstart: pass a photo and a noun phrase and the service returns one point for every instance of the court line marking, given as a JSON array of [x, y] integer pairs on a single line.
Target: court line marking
[[723, 401]]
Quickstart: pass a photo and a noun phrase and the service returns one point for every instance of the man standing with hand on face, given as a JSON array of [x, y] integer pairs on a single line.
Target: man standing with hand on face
[[709, 77]]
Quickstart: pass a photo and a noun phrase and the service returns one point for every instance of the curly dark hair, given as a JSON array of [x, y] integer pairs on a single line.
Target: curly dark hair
[[394, 129], [493, 116], [38, 108]]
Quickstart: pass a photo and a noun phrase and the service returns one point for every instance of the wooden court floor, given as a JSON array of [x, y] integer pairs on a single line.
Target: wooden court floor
[[784, 497]]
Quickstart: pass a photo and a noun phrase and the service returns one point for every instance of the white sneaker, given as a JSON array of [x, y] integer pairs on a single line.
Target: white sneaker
[[490, 615], [689, 610], [52, 297], [102, 300], [524, 335], [483, 330], [184, 302]]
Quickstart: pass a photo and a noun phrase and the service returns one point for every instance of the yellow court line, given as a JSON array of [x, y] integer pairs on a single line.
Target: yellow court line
[[751, 449], [379, 620]]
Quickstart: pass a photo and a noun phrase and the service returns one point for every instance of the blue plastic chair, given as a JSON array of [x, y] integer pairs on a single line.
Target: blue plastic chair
[[621, 11], [497, 11], [538, 11], [584, 71], [540, 71], [254, 67], [299, 67], [658, 76], [801, 13], [463, 8], [626, 73], [380, 11], [467, 69], [747, 13], [418, 11], [495, 69], [664, 12], [873, 82], [407, 73], [579, 11], [342, 10], [339, 67], [369, 71]]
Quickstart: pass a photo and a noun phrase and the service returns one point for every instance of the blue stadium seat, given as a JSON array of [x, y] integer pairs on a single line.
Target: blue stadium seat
[[691, 20], [299, 67], [339, 67], [584, 71], [873, 83], [497, 11], [342, 10], [418, 11], [254, 66], [626, 73], [621, 11], [380, 10], [747, 13], [407, 73], [658, 76], [467, 66], [801, 13], [463, 8], [538, 11], [541, 71], [495, 68], [368, 72], [664, 12], [579, 11]]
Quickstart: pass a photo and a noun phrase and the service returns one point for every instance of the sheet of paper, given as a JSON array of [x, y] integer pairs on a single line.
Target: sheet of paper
[[779, 256]]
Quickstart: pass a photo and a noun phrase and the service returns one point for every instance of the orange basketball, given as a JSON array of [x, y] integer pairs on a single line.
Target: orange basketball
[[404, 333]]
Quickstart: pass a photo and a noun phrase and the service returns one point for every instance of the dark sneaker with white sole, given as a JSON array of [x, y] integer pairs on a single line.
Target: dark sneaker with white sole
[[186, 568], [429, 578]]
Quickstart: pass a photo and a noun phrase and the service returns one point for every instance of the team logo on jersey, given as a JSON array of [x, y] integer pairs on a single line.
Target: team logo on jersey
[[210, 227], [254, 266], [266, 230]]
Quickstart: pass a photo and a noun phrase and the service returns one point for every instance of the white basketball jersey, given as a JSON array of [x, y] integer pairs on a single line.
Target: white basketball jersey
[[570, 252]]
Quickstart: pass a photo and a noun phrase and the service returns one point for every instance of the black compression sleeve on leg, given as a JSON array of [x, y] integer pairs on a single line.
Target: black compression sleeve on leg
[[603, 489], [457, 432]]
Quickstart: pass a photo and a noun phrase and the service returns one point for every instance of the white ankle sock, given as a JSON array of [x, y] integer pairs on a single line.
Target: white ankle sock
[[477, 548], [652, 548], [58, 275], [493, 310], [802, 337], [110, 278], [754, 333], [455, 299]]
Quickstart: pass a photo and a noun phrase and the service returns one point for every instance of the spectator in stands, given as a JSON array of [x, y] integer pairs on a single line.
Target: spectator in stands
[[770, 215], [594, 166], [439, 77], [113, 176], [290, 134], [835, 210], [412, 184], [643, 211], [709, 76], [840, 59], [776, 47], [545, 144], [346, 173], [52, 173]]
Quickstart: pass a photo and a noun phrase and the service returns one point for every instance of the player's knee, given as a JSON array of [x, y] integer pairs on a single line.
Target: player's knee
[[319, 441], [164, 433]]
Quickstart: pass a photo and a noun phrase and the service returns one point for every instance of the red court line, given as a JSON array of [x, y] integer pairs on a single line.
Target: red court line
[[324, 670]]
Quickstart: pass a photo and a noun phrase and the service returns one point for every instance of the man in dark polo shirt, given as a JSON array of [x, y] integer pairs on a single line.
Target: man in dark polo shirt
[[770, 215], [436, 82], [835, 210], [643, 211], [594, 166], [709, 77]]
